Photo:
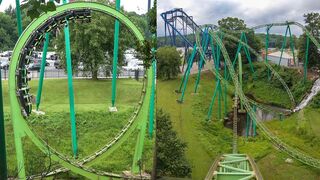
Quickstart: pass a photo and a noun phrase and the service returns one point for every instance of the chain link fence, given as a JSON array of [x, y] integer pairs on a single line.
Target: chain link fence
[[60, 73]]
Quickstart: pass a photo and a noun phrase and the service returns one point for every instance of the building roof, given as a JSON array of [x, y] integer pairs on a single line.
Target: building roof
[[284, 55]]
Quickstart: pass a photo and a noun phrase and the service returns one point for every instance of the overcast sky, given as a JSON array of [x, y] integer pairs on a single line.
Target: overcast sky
[[253, 12], [139, 6]]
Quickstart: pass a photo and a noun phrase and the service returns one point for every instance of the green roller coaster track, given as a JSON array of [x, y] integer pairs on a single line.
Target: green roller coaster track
[[293, 152], [138, 120]]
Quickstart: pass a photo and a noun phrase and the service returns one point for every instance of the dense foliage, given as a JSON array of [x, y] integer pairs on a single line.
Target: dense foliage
[[36, 7], [233, 24], [276, 40], [312, 21], [93, 42], [315, 103], [168, 62], [171, 160], [8, 27]]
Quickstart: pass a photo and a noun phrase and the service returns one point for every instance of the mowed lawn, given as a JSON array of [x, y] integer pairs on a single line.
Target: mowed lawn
[[96, 126], [206, 140]]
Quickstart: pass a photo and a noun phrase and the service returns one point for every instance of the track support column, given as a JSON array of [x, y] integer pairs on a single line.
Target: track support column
[[70, 88], [240, 76], [3, 154], [42, 69], [115, 61], [306, 61], [18, 13]]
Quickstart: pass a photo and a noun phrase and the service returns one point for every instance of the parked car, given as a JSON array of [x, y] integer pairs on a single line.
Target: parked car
[[35, 65], [4, 65], [57, 65]]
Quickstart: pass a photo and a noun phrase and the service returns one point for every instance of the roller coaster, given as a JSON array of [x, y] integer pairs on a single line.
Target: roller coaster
[[36, 36], [211, 37]]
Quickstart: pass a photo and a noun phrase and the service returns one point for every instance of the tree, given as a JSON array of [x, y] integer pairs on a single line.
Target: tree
[[8, 27], [169, 61], [36, 7], [144, 50], [312, 21], [8, 32], [235, 24], [92, 43], [171, 160]]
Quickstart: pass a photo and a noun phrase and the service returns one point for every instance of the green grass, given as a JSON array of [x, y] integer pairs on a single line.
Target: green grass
[[272, 91], [206, 140], [301, 131], [95, 125]]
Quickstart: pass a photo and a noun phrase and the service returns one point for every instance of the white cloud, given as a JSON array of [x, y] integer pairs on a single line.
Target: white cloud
[[139, 6], [253, 12]]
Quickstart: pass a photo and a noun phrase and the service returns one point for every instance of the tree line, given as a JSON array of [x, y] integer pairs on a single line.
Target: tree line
[[169, 59]]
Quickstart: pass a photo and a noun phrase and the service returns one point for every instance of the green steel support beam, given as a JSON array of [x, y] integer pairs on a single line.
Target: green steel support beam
[[254, 126], [237, 53], [115, 56], [194, 52], [212, 49], [306, 61], [247, 125], [219, 101], [42, 69], [70, 88], [267, 47], [204, 46], [246, 50], [183, 77], [284, 44], [225, 92], [217, 64], [3, 156], [240, 76], [212, 100], [152, 99], [18, 13], [292, 45]]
